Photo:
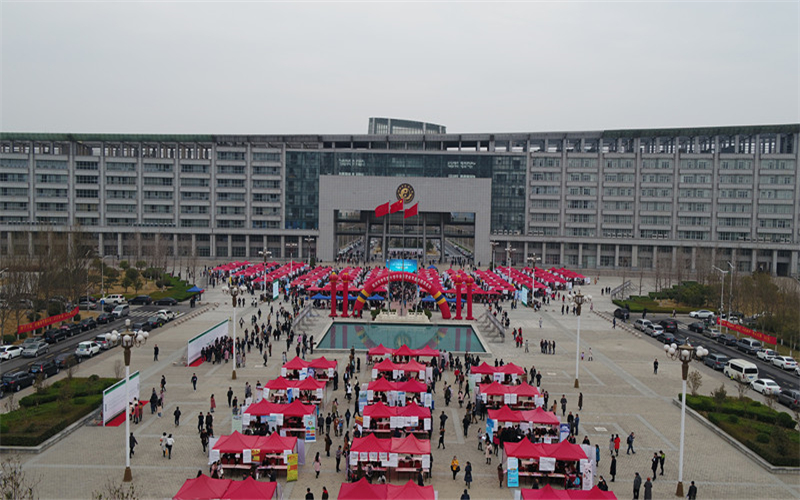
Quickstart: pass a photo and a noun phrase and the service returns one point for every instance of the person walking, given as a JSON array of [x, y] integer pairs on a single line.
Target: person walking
[[212, 404], [488, 453], [441, 439], [468, 474], [500, 473], [155, 353], [580, 402], [631, 437], [465, 496], [309, 495], [648, 490], [692, 492], [655, 366], [617, 443], [421, 478], [637, 485], [654, 466], [201, 422], [132, 442], [563, 405], [613, 470], [170, 444], [230, 396], [328, 443], [317, 465], [338, 457], [177, 415], [162, 442], [611, 445], [325, 494], [210, 424], [204, 439], [662, 457], [194, 381], [454, 467]]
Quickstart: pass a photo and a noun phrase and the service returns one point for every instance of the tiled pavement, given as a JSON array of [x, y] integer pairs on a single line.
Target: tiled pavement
[[621, 394]]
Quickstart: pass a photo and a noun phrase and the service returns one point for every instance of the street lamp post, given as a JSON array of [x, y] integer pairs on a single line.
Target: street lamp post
[[308, 246], [103, 275], [291, 246], [722, 292], [509, 249], [578, 299], [494, 245], [730, 291], [234, 291], [532, 259], [684, 355], [129, 340]]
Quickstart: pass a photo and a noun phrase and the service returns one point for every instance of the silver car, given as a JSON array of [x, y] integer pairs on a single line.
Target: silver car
[[34, 349]]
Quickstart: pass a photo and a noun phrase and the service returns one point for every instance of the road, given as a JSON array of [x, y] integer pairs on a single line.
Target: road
[[138, 313], [783, 378]]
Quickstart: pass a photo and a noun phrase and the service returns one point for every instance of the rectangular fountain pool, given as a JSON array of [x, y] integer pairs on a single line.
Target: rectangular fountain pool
[[363, 336]]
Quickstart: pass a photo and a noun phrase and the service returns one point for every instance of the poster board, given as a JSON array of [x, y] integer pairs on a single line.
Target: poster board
[[196, 344], [547, 464], [114, 397], [513, 472], [291, 471], [310, 422]]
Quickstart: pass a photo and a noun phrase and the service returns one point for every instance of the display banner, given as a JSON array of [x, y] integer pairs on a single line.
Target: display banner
[[58, 318], [206, 338], [114, 397], [763, 337], [310, 422], [489, 428], [563, 431], [276, 290], [291, 471], [513, 472]]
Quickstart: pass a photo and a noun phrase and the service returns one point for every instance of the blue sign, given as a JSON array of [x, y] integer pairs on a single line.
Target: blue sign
[[513, 472], [490, 428], [563, 432], [407, 265]]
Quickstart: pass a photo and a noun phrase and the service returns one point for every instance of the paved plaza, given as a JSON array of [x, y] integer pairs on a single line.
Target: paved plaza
[[621, 394]]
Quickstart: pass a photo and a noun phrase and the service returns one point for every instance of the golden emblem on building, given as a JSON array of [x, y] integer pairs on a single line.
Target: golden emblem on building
[[405, 192]]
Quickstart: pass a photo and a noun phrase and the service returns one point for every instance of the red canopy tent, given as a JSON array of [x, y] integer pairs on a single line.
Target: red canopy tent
[[541, 416], [493, 389], [293, 409], [381, 385], [296, 364], [547, 492], [379, 410], [427, 351], [202, 488], [362, 490], [250, 489], [506, 414], [371, 443], [413, 410], [236, 442], [404, 350], [275, 443], [380, 350], [322, 363], [410, 491], [410, 445], [412, 386], [511, 369], [484, 369], [386, 365]]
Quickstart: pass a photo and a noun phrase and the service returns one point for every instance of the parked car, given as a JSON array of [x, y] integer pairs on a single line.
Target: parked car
[[47, 368], [154, 322], [784, 362], [71, 328], [10, 352], [670, 338], [765, 386], [88, 324], [141, 300], [115, 299], [105, 344], [623, 314], [766, 354], [66, 360], [84, 304], [121, 311], [166, 315], [697, 326], [654, 330], [109, 307], [748, 346], [716, 360], [104, 318], [166, 301], [54, 335], [701, 314], [34, 349], [790, 398], [87, 349], [727, 339], [641, 324], [712, 333], [16, 381], [669, 325]]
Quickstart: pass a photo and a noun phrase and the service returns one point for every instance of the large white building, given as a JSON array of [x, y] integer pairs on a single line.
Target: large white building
[[616, 199]]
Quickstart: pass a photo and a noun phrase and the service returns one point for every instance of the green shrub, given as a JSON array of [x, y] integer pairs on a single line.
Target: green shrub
[[762, 438], [79, 401], [733, 419], [94, 378], [37, 399], [9, 338], [77, 317], [785, 420], [23, 335]]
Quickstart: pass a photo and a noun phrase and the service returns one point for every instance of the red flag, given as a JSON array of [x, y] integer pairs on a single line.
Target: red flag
[[382, 210], [410, 212], [396, 206]]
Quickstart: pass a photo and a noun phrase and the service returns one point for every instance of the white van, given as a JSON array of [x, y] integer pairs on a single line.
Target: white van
[[121, 311], [642, 324], [741, 370], [115, 299]]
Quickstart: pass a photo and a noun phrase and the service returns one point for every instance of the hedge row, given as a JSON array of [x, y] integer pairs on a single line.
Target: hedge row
[[35, 426], [746, 408], [774, 444], [639, 303]]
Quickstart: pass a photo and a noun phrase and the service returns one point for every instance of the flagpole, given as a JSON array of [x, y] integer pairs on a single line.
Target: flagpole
[[403, 260]]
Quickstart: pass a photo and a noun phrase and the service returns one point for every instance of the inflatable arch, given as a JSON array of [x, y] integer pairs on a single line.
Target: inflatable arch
[[426, 285]]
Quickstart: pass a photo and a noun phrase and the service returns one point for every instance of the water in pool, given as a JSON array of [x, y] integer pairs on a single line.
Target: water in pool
[[368, 335]]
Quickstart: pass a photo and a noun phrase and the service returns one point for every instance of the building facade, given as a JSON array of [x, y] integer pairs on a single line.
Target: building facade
[[619, 199]]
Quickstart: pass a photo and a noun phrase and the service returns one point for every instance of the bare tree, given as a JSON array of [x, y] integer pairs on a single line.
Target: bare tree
[[694, 381], [14, 484], [115, 491], [118, 366]]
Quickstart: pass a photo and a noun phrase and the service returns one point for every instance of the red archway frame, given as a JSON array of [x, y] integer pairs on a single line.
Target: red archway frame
[[426, 285]]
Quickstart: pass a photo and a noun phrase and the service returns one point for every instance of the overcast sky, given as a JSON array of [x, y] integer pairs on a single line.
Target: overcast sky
[[314, 68]]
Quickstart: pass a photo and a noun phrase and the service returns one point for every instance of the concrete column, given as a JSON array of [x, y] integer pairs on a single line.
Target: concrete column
[[694, 258], [775, 263], [753, 260], [616, 256], [793, 270], [674, 257], [384, 247], [544, 254], [441, 230], [580, 255], [194, 246], [424, 239], [175, 244], [119, 245], [138, 245], [561, 254], [283, 247], [30, 244], [597, 262], [230, 246], [634, 256], [100, 244]]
